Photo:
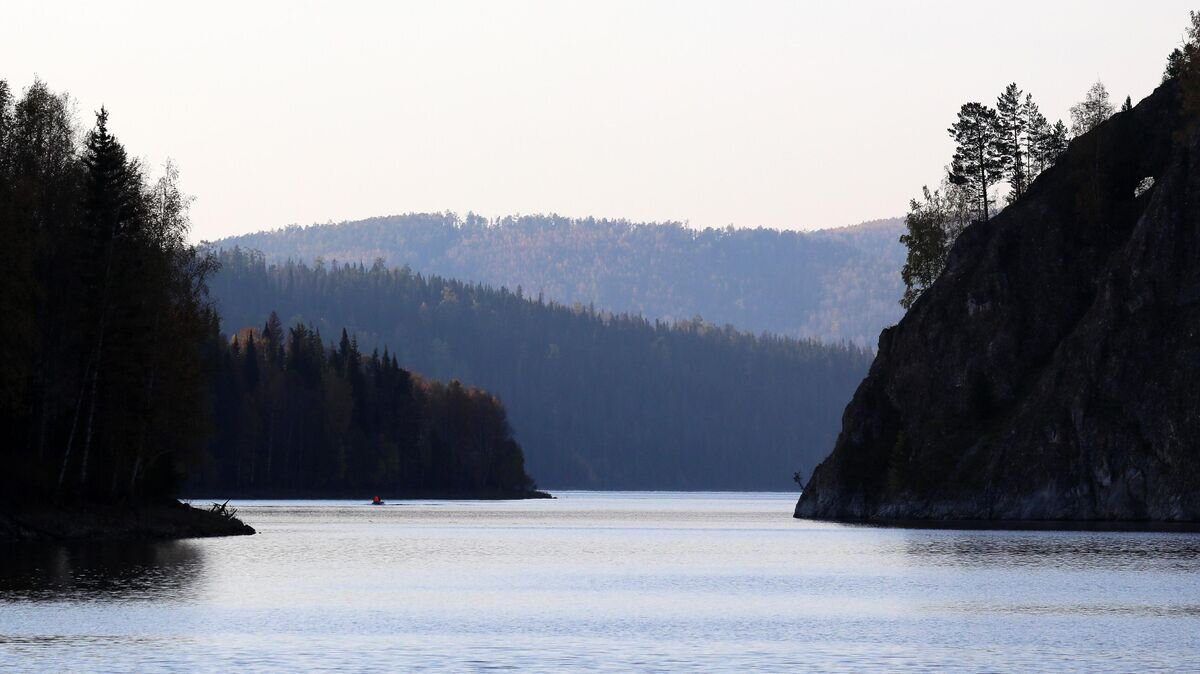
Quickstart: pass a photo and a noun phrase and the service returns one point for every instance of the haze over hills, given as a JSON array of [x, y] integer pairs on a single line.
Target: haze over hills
[[596, 400], [833, 285]]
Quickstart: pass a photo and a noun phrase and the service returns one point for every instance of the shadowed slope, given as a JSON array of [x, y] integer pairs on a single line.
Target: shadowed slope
[[1052, 372]]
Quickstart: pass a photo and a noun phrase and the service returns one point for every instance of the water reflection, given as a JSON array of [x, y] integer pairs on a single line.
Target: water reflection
[[594, 582], [128, 571]]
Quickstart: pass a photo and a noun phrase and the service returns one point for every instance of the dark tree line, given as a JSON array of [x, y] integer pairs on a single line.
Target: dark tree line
[[105, 313], [294, 417], [598, 400], [1183, 64], [115, 384]]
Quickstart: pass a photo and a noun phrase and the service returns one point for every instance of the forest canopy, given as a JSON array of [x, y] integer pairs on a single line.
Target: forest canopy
[[598, 400], [116, 383], [296, 417], [102, 391]]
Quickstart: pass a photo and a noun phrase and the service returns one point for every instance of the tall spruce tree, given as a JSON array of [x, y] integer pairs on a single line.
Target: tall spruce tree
[[1012, 130], [102, 391], [1056, 142], [111, 209], [1038, 132], [978, 162]]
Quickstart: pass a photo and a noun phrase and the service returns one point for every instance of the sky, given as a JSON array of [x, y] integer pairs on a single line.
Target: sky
[[793, 115]]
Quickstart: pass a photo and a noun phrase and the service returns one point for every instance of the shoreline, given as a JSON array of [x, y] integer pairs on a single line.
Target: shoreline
[[1097, 526], [421, 495], [171, 520]]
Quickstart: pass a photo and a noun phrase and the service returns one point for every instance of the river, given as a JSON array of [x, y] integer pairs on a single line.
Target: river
[[602, 581]]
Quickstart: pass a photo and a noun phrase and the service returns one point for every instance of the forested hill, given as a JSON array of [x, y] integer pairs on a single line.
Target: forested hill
[[294, 417], [833, 285], [117, 388], [596, 400]]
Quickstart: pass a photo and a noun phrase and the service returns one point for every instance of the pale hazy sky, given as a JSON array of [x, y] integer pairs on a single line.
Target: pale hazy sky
[[777, 114]]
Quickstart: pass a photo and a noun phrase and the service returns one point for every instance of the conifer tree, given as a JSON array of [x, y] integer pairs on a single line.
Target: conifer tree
[[1056, 142], [1039, 130], [250, 370], [1012, 130], [978, 162], [1184, 64], [108, 316], [1175, 61], [111, 213], [273, 337]]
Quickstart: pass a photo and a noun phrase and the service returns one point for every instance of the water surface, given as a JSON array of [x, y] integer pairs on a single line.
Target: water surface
[[602, 582]]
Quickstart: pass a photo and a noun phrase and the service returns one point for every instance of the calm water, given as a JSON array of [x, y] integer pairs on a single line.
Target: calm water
[[603, 581]]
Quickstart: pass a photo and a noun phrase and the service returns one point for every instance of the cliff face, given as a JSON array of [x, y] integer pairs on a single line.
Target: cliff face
[[1053, 371]]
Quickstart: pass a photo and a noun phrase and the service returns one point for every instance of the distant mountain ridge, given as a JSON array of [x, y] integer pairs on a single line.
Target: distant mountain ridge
[[834, 285]]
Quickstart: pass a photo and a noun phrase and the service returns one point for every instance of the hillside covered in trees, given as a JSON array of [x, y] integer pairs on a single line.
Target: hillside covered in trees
[[832, 285], [113, 364], [102, 389], [597, 400], [294, 417]]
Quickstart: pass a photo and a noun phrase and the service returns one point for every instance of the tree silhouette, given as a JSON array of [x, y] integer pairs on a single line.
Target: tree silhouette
[[978, 161]]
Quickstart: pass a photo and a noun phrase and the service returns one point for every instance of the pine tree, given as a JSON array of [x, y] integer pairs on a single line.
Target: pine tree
[[1056, 142], [250, 365], [273, 338], [111, 219], [1184, 63], [343, 352], [1039, 130], [978, 161], [1012, 130], [1175, 62], [1180, 60], [108, 312], [1127, 105]]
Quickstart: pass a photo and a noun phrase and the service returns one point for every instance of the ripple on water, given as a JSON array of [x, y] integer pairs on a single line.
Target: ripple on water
[[602, 582]]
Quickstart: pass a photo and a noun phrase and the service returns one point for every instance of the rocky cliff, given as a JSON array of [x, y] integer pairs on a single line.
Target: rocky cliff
[[1053, 370]]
